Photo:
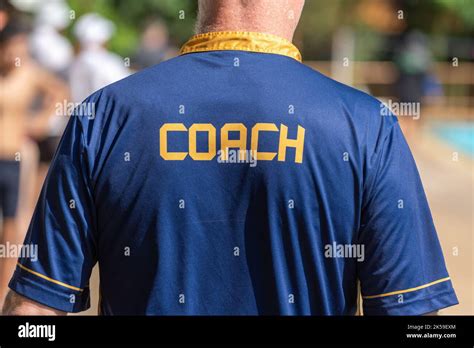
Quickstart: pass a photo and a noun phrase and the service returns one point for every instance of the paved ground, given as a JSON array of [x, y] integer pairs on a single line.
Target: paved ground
[[449, 187]]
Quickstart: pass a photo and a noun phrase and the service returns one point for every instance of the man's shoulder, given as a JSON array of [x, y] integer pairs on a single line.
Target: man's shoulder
[[143, 86], [337, 88], [327, 92]]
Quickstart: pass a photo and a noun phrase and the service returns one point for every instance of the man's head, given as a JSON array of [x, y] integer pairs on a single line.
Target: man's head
[[277, 17]]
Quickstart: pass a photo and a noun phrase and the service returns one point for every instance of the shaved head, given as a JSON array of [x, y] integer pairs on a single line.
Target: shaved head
[[277, 17]]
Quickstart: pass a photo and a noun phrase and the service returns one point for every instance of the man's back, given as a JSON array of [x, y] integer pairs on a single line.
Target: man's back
[[323, 192], [249, 234]]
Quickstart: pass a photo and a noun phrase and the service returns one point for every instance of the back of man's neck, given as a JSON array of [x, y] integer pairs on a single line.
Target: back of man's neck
[[246, 28]]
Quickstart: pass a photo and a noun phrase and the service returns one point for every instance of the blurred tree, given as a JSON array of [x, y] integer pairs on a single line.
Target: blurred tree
[[464, 9], [376, 22], [318, 23], [131, 16]]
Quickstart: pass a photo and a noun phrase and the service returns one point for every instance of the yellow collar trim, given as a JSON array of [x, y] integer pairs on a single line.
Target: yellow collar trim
[[241, 41]]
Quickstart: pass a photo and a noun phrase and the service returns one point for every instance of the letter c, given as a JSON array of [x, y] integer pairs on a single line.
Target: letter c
[[171, 156]]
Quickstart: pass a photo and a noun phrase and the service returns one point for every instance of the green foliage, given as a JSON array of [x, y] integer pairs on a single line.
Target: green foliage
[[130, 16], [464, 9], [318, 22]]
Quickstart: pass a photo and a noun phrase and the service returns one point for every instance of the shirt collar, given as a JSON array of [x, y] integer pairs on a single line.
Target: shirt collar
[[241, 41]]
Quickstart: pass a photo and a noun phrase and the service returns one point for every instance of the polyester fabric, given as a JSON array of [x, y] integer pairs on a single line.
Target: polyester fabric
[[196, 236]]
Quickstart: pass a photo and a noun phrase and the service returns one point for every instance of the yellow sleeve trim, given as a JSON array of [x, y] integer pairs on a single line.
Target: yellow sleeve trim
[[48, 278], [407, 290]]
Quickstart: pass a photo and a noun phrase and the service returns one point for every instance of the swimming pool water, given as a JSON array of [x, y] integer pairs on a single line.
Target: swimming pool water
[[460, 135]]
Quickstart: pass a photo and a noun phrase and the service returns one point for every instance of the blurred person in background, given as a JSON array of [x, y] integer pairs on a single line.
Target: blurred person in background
[[48, 46], [94, 66], [154, 46], [6, 12], [413, 60], [21, 81], [52, 51], [29, 153]]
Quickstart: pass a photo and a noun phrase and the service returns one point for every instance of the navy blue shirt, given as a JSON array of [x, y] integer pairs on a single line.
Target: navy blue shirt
[[233, 179]]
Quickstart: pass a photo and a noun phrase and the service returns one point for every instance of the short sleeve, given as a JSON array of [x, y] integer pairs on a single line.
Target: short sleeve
[[62, 232], [403, 272]]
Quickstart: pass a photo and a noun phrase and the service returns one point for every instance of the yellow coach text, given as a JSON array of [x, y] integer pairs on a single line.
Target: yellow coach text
[[226, 143]]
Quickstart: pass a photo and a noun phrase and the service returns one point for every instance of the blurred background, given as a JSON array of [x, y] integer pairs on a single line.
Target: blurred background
[[416, 56]]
